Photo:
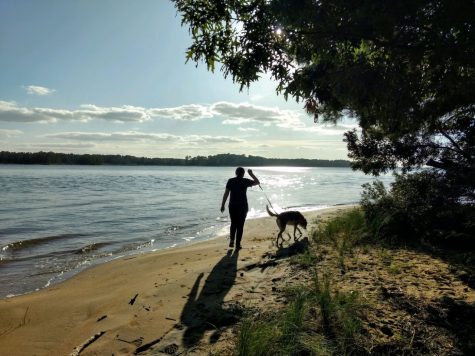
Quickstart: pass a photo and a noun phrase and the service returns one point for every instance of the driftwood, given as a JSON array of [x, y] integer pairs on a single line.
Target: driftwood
[[147, 346], [132, 301], [78, 349]]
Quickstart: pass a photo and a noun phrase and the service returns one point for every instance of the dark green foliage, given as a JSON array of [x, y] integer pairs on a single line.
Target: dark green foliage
[[215, 160], [420, 206], [82, 159], [404, 70]]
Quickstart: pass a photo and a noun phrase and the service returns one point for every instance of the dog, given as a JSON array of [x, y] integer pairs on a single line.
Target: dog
[[288, 218]]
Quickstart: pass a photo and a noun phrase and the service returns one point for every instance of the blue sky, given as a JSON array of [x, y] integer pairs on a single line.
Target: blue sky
[[109, 76]]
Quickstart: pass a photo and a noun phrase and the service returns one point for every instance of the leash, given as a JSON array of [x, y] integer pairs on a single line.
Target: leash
[[268, 199]]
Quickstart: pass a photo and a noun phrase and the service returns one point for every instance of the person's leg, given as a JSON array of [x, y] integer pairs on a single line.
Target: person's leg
[[240, 220], [233, 227]]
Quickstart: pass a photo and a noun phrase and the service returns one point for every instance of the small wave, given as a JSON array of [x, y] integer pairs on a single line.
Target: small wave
[[188, 238], [172, 229], [91, 247], [135, 246], [308, 207], [145, 244], [24, 244]]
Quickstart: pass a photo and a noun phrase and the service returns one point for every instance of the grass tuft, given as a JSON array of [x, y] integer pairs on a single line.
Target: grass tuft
[[257, 337], [317, 321], [340, 313], [343, 232], [305, 260]]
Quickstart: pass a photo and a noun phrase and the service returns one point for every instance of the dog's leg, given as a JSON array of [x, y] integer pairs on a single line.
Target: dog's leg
[[279, 236], [281, 226], [297, 228]]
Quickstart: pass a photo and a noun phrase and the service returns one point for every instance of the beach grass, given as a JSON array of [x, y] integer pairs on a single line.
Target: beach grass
[[342, 232], [351, 299], [316, 321]]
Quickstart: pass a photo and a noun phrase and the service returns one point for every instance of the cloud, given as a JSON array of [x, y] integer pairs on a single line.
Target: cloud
[[257, 97], [125, 113], [10, 111], [211, 139], [244, 112], [190, 112], [247, 129], [61, 146], [236, 121], [328, 129], [99, 137], [37, 90], [229, 114], [134, 136], [9, 133]]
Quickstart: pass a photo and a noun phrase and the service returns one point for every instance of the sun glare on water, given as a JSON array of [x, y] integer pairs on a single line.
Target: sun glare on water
[[284, 169]]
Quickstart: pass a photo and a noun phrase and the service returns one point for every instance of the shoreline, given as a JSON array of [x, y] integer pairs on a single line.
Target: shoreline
[[181, 243], [138, 298]]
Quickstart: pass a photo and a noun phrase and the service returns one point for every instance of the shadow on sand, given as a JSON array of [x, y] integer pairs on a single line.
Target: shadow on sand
[[206, 310], [299, 246]]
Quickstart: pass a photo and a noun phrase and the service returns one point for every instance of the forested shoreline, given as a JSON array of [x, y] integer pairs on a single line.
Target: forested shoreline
[[54, 158]]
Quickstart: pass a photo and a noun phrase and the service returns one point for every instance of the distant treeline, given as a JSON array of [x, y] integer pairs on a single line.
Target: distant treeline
[[216, 160]]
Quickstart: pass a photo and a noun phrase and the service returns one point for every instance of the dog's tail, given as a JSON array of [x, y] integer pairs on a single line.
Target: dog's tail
[[270, 212]]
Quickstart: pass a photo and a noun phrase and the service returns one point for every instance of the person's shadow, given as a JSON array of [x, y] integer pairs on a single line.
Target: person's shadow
[[205, 311]]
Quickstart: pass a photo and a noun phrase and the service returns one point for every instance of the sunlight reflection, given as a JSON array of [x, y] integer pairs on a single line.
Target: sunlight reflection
[[285, 169], [282, 182]]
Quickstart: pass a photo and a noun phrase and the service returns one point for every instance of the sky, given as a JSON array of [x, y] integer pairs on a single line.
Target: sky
[[109, 77]]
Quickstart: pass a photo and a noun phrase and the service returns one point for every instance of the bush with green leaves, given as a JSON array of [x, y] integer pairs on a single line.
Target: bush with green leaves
[[420, 206]]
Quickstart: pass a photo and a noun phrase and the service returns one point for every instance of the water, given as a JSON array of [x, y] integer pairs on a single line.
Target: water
[[57, 220]]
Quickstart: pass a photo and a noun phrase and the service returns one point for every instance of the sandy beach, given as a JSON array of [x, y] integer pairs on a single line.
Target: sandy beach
[[177, 299]]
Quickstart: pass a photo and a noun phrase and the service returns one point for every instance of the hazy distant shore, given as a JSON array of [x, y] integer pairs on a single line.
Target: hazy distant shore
[[220, 160]]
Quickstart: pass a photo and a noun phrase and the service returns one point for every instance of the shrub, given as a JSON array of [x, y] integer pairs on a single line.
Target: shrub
[[419, 206]]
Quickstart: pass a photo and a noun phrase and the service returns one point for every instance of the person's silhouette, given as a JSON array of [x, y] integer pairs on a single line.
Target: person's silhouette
[[238, 207], [203, 311]]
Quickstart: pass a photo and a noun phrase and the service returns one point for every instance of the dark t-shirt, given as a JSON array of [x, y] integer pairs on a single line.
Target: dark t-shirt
[[238, 187]]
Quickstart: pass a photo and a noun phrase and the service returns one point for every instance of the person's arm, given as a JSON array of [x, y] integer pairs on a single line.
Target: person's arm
[[256, 181], [225, 197]]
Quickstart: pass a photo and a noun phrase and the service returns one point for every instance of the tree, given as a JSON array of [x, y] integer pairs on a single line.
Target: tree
[[403, 69]]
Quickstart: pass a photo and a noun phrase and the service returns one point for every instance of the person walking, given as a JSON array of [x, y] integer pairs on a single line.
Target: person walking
[[238, 207]]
